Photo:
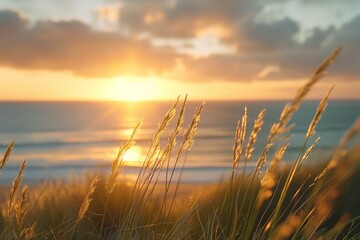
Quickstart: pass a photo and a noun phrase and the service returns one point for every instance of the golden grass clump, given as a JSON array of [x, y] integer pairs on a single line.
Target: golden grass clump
[[320, 110], [21, 209], [240, 134], [289, 110], [117, 163], [273, 164], [14, 188], [7, 154], [88, 198], [259, 122]]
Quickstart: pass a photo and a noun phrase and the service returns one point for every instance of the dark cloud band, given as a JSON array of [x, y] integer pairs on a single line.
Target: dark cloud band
[[266, 50]]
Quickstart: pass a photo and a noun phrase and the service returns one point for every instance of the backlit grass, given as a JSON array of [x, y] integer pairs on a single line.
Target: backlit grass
[[278, 199]]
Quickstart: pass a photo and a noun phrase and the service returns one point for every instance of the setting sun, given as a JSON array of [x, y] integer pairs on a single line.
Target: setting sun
[[133, 89], [133, 156]]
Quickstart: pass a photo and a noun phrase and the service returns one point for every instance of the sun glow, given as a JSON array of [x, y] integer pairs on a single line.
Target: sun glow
[[134, 89], [133, 156]]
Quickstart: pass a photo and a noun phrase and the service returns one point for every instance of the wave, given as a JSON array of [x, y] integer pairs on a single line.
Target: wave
[[34, 141], [93, 140], [40, 174]]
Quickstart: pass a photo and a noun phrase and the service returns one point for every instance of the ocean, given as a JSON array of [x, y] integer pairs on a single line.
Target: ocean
[[68, 140]]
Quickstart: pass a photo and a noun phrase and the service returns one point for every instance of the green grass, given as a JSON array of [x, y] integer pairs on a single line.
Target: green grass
[[278, 199]]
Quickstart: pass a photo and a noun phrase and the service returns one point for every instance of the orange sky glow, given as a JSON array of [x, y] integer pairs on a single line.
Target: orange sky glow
[[137, 51]]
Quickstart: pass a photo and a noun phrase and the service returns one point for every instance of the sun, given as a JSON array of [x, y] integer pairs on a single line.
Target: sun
[[133, 156], [134, 89]]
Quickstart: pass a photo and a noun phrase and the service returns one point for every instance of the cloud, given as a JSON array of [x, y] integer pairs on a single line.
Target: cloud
[[348, 2], [259, 43], [263, 49], [348, 36], [186, 18], [261, 36], [74, 46]]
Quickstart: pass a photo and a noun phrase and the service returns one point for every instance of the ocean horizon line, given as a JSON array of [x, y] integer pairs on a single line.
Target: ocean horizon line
[[172, 100]]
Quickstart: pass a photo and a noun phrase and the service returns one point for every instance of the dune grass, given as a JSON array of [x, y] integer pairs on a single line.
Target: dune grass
[[278, 199]]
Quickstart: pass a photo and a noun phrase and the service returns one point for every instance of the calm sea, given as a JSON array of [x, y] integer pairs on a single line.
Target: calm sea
[[62, 140]]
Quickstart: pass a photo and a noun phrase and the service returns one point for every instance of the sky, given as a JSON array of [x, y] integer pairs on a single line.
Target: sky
[[155, 50]]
